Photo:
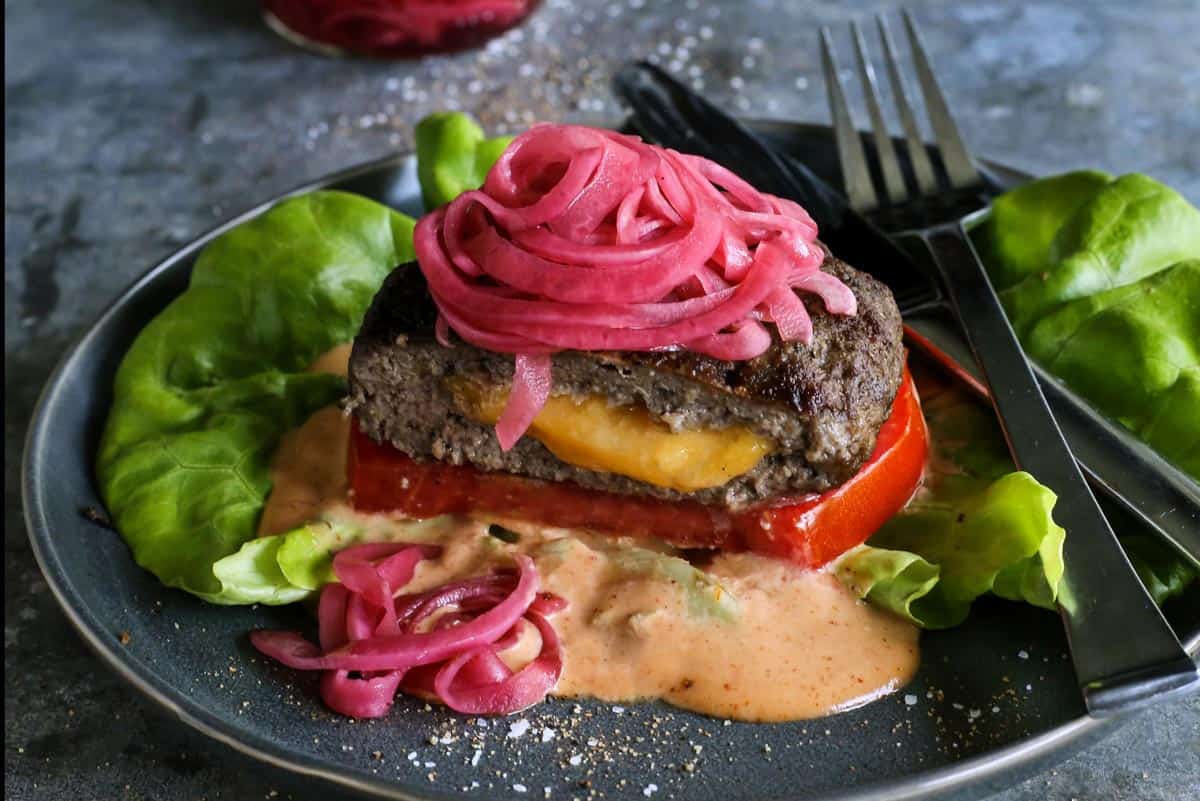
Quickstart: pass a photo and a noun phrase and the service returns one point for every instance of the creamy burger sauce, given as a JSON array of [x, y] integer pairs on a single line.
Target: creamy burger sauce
[[309, 468], [784, 644]]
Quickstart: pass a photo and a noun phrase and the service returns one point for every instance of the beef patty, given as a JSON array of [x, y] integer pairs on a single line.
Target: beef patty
[[821, 403]]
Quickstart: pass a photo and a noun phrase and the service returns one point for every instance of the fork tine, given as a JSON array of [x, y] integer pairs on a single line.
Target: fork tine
[[959, 165], [893, 180], [850, 149], [922, 167]]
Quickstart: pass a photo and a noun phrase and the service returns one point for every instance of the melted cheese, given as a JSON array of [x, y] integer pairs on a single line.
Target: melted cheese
[[589, 433]]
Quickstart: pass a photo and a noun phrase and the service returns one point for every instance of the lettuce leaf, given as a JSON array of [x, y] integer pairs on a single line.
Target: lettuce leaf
[[209, 386], [1101, 279], [1164, 573], [453, 156], [929, 563], [1129, 229], [255, 575], [1038, 210], [1134, 353], [288, 567], [975, 528]]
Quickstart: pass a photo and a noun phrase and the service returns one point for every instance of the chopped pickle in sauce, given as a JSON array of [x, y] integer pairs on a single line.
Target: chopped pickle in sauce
[[590, 433], [795, 644]]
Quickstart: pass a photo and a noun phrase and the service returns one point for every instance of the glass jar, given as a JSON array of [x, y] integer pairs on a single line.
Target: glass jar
[[393, 28]]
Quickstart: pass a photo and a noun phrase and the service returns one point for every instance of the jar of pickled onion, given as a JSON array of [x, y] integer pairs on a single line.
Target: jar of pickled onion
[[393, 28]]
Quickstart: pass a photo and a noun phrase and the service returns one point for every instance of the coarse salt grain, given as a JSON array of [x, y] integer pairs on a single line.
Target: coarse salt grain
[[518, 729], [911, 700]]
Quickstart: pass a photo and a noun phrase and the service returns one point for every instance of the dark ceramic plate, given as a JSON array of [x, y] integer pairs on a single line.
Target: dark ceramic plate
[[994, 700]]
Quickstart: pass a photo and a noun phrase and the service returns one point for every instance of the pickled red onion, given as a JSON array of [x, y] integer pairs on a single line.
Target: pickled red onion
[[518, 690], [586, 239], [370, 639], [398, 26]]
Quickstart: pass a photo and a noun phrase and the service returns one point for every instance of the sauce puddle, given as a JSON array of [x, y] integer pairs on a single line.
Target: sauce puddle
[[751, 637]]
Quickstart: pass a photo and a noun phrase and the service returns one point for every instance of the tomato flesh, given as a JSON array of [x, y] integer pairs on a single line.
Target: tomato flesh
[[811, 530], [820, 528]]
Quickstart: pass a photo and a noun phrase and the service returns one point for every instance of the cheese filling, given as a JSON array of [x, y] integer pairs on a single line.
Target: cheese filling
[[590, 433]]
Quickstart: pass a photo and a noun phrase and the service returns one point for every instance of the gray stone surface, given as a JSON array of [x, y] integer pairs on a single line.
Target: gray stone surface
[[133, 126]]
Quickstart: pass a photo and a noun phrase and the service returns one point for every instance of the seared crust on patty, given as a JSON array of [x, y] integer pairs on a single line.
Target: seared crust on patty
[[822, 403]]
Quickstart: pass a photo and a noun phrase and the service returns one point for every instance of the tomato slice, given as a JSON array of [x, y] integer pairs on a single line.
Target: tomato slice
[[811, 531], [819, 528], [383, 479]]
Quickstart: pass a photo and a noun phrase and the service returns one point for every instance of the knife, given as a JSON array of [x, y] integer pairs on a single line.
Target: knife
[[1155, 494]]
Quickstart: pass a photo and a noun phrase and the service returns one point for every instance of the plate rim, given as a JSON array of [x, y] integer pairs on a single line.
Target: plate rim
[[982, 769]]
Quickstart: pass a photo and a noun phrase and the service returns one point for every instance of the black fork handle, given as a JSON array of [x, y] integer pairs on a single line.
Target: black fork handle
[[1124, 651]]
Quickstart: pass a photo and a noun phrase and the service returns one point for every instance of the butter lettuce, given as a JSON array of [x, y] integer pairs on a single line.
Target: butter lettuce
[[1101, 279], [1160, 568], [975, 528], [255, 573], [453, 156], [288, 567], [209, 386]]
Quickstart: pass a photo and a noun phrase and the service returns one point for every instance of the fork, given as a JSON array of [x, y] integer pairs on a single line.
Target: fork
[[1124, 652]]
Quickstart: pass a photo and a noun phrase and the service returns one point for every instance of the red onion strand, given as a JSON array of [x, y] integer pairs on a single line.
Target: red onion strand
[[370, 639]]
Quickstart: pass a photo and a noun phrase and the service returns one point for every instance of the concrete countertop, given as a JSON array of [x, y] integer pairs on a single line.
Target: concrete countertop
[[133, 127]]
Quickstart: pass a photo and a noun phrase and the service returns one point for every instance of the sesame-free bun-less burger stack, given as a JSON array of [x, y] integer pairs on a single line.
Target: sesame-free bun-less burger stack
[[626, 339]]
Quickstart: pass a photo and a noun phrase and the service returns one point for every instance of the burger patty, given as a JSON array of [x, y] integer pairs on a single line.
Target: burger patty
[[822, 403]]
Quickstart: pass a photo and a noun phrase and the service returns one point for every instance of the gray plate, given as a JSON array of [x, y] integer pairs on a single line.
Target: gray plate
[[994, 701]]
